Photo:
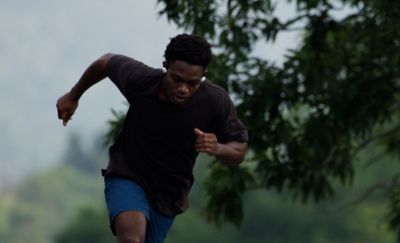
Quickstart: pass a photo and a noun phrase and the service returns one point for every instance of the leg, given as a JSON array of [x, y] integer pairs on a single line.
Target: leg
[[130, 227], [128, 209]]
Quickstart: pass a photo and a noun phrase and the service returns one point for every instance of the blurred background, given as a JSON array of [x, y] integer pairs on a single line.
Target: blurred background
[[50, 182]]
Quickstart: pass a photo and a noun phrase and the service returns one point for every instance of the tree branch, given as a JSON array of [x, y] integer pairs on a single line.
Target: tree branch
[[379, 136], [374, 159], [294, 20], [385, 185], [355, 202], [293, 29]]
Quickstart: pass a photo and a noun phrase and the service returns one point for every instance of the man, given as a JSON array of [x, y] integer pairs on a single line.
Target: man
[[174, 114]]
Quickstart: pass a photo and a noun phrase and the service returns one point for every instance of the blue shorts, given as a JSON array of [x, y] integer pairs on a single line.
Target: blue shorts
[[124, 195]]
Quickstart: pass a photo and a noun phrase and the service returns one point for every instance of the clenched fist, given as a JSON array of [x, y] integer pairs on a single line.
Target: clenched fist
[[66, 107], [206, 142]]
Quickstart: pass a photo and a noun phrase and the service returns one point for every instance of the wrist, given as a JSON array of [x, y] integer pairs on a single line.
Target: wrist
[[74, 94]]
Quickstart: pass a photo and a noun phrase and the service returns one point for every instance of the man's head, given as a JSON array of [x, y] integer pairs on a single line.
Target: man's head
[[186, 60], [192, 49]]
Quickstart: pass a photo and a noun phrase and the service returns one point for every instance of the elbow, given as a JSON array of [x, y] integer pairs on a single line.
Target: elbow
[[241, 153], [103, 61], [233, 153], [106, 57], [236, 159]]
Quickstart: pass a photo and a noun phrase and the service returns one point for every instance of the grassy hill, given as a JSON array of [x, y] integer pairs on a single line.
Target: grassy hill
[[41, 205]]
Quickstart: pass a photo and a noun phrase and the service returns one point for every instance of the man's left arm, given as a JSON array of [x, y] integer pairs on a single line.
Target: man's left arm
[[230, 153]]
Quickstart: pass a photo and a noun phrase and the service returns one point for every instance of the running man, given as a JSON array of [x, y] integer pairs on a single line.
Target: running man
[[174, 113]]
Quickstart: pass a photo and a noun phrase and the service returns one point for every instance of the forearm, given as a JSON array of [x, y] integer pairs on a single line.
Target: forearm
[[92, 75], [231, 153]]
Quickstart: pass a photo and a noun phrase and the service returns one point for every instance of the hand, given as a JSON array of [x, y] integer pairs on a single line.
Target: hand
[[206, 142], [66, 107]]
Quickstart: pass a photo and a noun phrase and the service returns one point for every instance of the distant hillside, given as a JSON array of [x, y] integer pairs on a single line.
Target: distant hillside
[[54, 203], [45, 202]]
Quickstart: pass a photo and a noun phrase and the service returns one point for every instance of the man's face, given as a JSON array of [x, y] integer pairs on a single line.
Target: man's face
[[181, 81]]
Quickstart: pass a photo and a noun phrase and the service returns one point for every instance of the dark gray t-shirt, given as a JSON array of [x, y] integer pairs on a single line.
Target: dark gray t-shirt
[[156, 147]]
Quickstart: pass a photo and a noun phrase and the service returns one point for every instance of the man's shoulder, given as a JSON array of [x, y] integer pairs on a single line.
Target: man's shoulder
[[214, 89], [118, 60], [132, 75], [213, 96]]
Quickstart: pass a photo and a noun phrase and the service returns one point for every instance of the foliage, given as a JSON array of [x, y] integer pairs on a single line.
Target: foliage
[[333, 95], [88, 226], [226, 183], [115, 125]]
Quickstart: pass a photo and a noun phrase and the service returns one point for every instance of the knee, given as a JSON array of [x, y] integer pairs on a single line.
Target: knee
[[130, 238], [130, 227]]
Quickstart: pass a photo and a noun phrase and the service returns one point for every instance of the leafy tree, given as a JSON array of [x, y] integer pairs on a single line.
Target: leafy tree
[[309, 118], [115, 124]]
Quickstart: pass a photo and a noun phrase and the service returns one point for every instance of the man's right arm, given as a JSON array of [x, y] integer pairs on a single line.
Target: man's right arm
[[67, 104]]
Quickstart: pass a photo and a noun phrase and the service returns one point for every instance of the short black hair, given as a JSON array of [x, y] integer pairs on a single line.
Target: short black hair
[[189, 48]]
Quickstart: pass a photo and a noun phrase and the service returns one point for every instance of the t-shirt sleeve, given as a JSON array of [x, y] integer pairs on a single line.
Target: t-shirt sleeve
[[128, 74], [228, 126]]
